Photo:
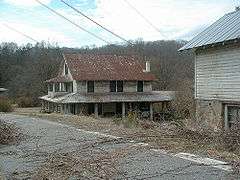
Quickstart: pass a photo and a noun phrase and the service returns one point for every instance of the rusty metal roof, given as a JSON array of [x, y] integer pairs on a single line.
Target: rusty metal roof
[[225, 29], [106, 67], [153, 96]]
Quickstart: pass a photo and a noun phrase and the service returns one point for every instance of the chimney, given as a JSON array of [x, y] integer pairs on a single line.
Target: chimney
[[147, 66]]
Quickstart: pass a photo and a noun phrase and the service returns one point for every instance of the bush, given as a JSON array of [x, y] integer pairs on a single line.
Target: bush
[[131, 120], [9, 133], [5, 105], [25, 102], [184, 103]]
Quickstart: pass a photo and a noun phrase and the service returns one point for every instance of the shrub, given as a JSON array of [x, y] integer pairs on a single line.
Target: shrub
[[5, 105], [131, 119], [25, 102], [9, 133], [184, 103]]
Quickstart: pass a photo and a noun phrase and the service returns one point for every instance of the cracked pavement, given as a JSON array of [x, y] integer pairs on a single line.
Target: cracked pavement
[[43, 137]]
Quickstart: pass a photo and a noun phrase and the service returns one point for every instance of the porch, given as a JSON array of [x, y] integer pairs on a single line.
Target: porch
[[144, 110], [108, 104]]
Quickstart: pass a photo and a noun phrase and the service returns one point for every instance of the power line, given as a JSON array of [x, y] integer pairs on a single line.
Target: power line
[[75, 24], [148, 21], [19, 32], [81, 13]]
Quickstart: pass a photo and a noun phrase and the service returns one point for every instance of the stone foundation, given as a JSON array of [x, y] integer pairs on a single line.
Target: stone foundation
[[209, 115]]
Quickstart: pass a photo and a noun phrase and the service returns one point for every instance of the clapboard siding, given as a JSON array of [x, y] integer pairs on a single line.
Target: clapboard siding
[[217, 74]]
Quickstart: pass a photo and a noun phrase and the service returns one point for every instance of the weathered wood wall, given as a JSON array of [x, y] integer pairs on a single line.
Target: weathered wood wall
[[217, 74], [104, 86]]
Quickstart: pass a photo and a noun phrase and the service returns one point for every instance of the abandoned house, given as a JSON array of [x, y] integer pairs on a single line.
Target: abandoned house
[[217, 73], [103, 85]]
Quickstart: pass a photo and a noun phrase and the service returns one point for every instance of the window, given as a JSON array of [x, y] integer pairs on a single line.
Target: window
[[62, 87], [116, 86], [69, 87], [119, 86], [233, 116], [65, 69], [90, 86], [113, 86], [57, 87], [50, 87], [140, 86]]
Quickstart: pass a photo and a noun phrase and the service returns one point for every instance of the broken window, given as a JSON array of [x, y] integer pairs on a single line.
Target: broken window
[[90, 86], [140, 86]]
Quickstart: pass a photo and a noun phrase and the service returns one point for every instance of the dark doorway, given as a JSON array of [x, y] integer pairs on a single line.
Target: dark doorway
[[119, 109], [73, 108]]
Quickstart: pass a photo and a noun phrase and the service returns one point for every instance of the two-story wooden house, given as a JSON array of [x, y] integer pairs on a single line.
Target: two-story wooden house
[[102, 85]]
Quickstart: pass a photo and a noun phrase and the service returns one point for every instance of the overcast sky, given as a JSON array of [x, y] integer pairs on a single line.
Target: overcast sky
[[176, 19]]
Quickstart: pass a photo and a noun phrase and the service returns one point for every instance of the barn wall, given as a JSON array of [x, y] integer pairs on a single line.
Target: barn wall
[[217, 74]]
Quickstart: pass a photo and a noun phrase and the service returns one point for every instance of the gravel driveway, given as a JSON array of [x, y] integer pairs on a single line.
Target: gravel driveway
[[43, 138]]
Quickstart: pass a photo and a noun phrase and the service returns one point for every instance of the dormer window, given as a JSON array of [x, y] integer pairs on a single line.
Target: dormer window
[[65, 69]]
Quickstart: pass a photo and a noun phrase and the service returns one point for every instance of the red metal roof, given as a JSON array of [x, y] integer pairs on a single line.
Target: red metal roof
[[106, 67]]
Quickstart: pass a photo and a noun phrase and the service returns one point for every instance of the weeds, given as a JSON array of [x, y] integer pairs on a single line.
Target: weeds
[[5, 105], [25, 102]]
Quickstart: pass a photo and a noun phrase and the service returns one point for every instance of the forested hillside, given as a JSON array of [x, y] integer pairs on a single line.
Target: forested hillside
[[23, 69]]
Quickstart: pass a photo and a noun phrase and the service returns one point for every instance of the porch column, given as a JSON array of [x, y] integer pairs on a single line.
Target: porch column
[[53, 87], [151, 110], [96, 110], [48, 106], [62, 108], [42, 105], [123, 110]]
